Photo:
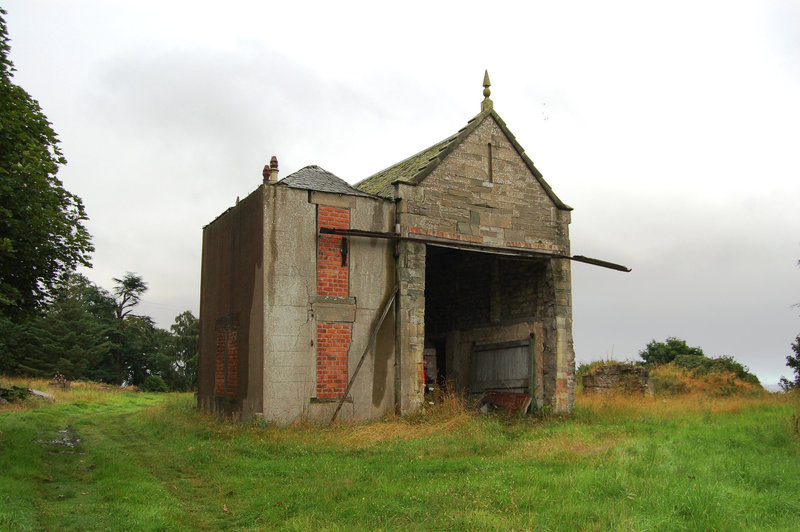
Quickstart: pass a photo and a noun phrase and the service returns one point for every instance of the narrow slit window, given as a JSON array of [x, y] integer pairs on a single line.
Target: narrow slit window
[[491, 169]]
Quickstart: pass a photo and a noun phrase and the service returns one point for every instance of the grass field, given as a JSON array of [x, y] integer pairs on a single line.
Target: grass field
[[152, 462]]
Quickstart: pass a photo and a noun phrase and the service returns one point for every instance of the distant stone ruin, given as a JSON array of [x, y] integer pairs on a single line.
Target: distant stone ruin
[[59, 381], [610, 378]]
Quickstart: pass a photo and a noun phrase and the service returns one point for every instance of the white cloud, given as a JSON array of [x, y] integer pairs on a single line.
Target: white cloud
[[671, 128]]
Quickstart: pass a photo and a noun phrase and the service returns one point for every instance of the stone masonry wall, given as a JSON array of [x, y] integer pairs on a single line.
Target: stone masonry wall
[[458, 200], [469, 198]]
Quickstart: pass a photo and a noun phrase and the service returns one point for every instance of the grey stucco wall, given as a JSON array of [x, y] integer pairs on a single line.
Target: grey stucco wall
[[292, 306]]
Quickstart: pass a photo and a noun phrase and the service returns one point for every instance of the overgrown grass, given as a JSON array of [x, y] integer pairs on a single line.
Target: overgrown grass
[[709, 379], [153, 462]]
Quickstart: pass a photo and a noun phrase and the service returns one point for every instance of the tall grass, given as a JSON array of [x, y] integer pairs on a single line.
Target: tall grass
[[78, 391], [154, 462]]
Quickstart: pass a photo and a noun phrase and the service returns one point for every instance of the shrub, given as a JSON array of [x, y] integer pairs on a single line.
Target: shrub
[[670, 380], [700, 365], [13, 394], [793, 361], [154, 383], [665, 352]]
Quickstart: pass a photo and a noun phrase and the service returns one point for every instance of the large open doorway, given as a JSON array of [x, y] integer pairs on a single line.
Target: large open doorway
[[483, 312]]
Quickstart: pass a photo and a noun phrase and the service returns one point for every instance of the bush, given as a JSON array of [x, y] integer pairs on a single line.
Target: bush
[[793, 361], [13, 394], [154, 383], [706, 375], [665, 352], [670, 380], [704, 366]]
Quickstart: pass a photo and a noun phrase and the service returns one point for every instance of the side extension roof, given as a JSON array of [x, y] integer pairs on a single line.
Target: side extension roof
[[315, 178]]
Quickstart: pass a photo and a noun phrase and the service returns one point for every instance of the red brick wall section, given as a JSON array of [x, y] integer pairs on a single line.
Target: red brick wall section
[[333, 341], [227, 359], [332, 277]]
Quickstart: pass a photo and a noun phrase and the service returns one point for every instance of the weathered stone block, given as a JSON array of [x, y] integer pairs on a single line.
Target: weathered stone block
[[610, 378]]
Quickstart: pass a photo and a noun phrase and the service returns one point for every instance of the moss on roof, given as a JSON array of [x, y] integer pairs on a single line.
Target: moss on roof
[[381, 183], [416, 168]]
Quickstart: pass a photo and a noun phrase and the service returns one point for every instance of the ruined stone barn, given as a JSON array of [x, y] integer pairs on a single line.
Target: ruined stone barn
[[451, 266]]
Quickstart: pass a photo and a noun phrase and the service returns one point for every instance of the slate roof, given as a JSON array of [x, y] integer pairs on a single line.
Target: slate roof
[[416, 168], [315, 178]]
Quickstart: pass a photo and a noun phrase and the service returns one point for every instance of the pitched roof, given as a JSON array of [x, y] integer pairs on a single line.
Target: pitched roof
[[315, 178], [417, 167]]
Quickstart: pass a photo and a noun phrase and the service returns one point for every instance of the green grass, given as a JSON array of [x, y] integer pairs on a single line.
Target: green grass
[[152, 462]]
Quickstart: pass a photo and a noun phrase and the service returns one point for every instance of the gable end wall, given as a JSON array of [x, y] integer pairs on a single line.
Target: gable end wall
[[466, 199]]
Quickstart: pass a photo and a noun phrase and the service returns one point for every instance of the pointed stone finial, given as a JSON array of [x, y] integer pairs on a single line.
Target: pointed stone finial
[[486, 103]]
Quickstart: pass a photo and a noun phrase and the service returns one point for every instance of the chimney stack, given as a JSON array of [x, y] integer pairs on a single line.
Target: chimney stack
[[273, 170], [270, 171]]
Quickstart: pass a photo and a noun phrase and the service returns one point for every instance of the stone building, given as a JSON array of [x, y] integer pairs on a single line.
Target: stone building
[[316, 294]]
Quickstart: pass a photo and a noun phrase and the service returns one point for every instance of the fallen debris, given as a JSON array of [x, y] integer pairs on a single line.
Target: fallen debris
[[43, 395], [514, 403]]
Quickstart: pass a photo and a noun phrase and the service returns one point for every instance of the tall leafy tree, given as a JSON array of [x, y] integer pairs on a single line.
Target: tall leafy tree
[[184, 351], [42, 235], [72, 335], [793, 361], [128, 291], [131, 331]]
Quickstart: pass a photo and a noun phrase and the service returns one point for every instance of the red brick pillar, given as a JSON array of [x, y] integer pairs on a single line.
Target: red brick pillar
[[333, 280]]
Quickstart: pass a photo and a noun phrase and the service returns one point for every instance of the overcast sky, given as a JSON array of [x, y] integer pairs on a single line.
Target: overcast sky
[[672, 128]]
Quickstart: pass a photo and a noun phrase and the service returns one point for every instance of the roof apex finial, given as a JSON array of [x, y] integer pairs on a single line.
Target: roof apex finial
[[486, 103]]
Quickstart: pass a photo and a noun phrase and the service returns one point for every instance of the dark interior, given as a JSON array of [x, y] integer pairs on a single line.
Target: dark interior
[[466, 291]]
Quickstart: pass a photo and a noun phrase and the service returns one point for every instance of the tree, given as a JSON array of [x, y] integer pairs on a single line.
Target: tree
[[665, 352], [184, 351], [129, 345], [72, 335], [42, 235], [793, 361], [129, 291]]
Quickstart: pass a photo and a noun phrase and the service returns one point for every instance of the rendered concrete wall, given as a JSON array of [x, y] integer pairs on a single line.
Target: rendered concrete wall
[[289, 281], [231, 293], [465, 198], [293, 308]]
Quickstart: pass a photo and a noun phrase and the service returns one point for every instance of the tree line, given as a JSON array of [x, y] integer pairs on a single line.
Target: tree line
[[87, 332], [51, 318]]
